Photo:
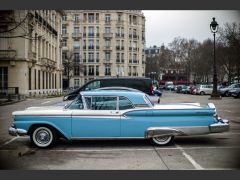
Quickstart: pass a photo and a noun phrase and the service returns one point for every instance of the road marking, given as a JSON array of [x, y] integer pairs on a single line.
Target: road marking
[[45, 102], [11, 140], [192, 161]]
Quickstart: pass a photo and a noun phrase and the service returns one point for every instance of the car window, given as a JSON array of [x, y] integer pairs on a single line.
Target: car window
[[93, 85], [124, 103], [76, 104], [101, 103]]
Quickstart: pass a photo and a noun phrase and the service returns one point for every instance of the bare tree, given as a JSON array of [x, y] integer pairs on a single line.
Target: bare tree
[[71, 61]]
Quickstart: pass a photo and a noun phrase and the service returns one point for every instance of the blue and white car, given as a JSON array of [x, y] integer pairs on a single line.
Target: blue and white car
[[113, 115]]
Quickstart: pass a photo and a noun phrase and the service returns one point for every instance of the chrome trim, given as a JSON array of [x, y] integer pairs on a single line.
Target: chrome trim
[[161, 131], [103, 138], [221, 126], [17, 132]]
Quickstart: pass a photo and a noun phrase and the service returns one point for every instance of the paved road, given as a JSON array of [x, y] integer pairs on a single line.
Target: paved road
[[215, 151]]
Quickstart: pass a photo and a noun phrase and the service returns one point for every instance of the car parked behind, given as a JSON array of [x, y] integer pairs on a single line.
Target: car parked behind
[[203, 89], [235, 92], [142, 84], [227, 90]]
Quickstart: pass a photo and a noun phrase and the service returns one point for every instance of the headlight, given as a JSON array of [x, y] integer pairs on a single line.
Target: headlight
[[65, 98]]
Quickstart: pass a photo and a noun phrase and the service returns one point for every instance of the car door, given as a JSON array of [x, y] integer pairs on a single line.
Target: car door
[[99, 119]]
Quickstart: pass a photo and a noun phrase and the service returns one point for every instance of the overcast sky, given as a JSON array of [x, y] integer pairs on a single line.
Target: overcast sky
[[163, 26]]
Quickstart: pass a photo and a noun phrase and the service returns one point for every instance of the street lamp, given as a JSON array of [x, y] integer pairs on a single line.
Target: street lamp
[[214, 29]]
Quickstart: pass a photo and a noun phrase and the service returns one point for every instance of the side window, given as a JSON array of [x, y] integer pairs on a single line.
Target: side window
[[76, 104], [124, 103], [93, 85], [101, 103]]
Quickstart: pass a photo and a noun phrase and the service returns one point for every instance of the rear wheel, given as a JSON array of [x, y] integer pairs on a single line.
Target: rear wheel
[[162, 140], [226, 93], [43, 136]]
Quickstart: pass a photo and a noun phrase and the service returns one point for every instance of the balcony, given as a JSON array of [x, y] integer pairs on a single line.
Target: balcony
[[7, 54], [107, 61], [48, 62], [76, 35], [65, 35], [120, 61], [107, 35], [107, 22], [90, 34], [64, 48], [119, 48], [32, 56], [64, 22], [120, 23], [107, 48]]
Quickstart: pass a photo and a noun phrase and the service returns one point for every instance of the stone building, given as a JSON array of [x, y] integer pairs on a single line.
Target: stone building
[[104, 43], [30, 51]]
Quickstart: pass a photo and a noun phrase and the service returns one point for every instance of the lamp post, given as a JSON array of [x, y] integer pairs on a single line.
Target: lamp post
[[214, 29]]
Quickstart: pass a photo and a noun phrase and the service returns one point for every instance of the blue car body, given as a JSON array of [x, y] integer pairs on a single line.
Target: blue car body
[[120, 114]]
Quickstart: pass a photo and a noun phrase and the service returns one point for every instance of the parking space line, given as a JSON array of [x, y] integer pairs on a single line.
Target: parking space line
[[191, 160], [45, 102], [11, 140]]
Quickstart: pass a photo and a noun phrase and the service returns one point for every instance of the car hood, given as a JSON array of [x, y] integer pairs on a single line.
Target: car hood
[[177, 106]]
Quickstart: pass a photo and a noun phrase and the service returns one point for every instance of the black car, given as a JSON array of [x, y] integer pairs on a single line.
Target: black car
[[142, 84]]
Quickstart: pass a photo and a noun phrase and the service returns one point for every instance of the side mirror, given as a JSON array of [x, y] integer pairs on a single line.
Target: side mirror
[[65, 106], [87, 89]]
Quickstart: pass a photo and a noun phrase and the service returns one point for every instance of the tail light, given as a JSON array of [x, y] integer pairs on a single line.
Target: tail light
[[151, 89]]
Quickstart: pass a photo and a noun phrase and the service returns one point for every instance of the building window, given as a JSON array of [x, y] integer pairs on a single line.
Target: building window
[[64, 30], [97, 57], [97, 17], [107, 18], [76, 57], [90, 31], [64, 18], [76, 45], [76, 18], [64, 42], [29, 79], [90, 57], [108, 43], [43, 80], [107, 56], [76, 30], [85, 70], [107, 70], [97, 70], [90, 18], [39, 79], [91, 70], [107, 30], [90, 44], [76, 71], [35, 79], [76, 83]]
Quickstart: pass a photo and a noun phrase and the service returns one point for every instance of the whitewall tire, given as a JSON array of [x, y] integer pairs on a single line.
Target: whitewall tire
[[43, 137], [162, 140]]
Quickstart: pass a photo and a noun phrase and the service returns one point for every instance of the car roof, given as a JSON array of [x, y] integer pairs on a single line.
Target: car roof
[[134, 97]]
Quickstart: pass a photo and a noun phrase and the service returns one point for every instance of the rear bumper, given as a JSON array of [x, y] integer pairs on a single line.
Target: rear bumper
[[221, 126], [17, 132]]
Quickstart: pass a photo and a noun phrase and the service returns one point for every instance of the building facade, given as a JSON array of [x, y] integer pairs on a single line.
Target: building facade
[[30, 51], [152, 51], [103, 43]]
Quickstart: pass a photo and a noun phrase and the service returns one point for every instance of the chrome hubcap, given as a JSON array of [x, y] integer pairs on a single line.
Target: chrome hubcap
[[162, 139], [43, 137]]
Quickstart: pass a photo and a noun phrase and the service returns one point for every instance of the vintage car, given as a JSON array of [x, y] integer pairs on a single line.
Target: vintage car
[[113, 115]]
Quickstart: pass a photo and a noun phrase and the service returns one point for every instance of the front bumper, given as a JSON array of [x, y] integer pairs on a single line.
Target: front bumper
[[17, 132], [221, 126]]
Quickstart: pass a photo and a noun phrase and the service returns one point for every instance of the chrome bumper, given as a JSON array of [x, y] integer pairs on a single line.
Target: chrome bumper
[[221, 126], [17, 132]]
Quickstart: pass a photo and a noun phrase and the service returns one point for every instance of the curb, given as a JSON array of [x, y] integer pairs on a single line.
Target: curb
[[11, 102]]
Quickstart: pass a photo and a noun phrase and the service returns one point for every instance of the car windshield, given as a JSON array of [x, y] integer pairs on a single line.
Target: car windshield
[[76, 103], [148, 101]]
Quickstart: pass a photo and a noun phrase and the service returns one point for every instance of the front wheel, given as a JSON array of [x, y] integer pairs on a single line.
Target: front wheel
[[43, 137], [162, 140]]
